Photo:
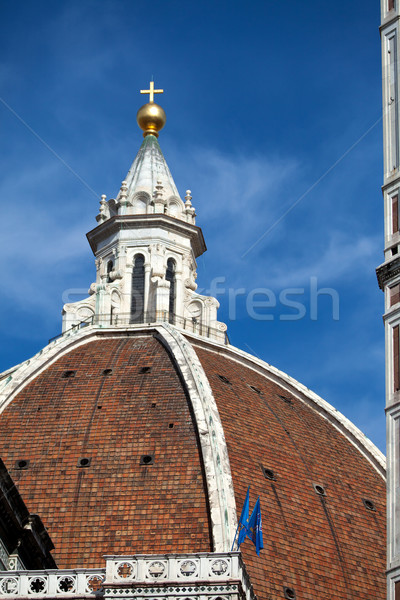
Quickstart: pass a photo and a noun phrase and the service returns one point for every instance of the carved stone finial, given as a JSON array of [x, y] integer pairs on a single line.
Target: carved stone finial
[[159, 201], [123, 197], [188, 199], [104, 212], [159, 190], [189, 209], [124, 189]]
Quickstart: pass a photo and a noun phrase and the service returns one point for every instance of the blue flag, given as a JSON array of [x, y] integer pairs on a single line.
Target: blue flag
[[254, 528], [244, 519]]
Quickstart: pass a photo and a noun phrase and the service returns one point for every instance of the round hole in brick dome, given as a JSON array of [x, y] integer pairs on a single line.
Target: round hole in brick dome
[[369, 505], [147, 459], [285, 399], [289, 593], [224, 379], [255, 389], [319, 489], [68, 374], [268, 474], [107, 372], [21, 464], [84, 462]]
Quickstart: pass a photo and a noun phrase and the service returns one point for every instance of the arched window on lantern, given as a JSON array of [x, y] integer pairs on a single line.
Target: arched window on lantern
[[137, 301], [110, 266], [170, 276]]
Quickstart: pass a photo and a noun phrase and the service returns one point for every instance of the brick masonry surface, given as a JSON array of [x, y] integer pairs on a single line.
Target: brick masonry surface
[[321, 546], [115, 505]]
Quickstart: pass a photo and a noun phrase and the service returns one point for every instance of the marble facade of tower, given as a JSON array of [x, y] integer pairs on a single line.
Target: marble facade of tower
[[389, 278]]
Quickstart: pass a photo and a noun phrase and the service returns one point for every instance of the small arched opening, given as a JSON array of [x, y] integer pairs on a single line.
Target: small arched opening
[[110, 266], [170, 276], [137, 301]]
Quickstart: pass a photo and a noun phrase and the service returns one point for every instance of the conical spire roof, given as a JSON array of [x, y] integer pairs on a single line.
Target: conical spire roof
[[148, 169]]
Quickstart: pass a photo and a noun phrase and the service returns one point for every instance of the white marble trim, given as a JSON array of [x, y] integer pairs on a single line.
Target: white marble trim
[[212, 438]]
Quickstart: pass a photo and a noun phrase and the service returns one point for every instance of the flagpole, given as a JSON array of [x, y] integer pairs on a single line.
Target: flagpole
[[233, 543], [243, 517]]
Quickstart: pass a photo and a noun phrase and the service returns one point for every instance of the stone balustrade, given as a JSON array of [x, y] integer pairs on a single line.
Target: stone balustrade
[[205, 576]]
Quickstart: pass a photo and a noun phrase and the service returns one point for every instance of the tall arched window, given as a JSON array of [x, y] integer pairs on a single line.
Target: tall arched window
[[170, 276], [110, 266], [137, 303]]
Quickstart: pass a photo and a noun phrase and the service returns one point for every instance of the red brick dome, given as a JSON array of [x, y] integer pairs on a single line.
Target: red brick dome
[[115, 462]]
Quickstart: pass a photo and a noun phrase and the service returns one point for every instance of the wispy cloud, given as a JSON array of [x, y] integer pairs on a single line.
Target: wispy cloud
[[237, 196], [235, 191], [42, 237], [341, 257]]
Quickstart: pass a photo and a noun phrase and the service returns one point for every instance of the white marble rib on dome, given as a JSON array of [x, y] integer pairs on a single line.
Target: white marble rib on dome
[[148, 168]]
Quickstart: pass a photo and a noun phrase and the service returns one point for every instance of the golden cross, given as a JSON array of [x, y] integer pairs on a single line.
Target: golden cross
[[151, 91]]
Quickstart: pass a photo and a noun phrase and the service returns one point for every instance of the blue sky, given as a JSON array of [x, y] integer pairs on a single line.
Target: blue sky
[[272, 108]]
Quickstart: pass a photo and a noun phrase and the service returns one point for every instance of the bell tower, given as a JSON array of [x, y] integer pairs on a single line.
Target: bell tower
[[389, 279]]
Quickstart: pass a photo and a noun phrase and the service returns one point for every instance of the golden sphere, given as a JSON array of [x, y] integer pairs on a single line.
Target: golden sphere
[[151, 118]]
